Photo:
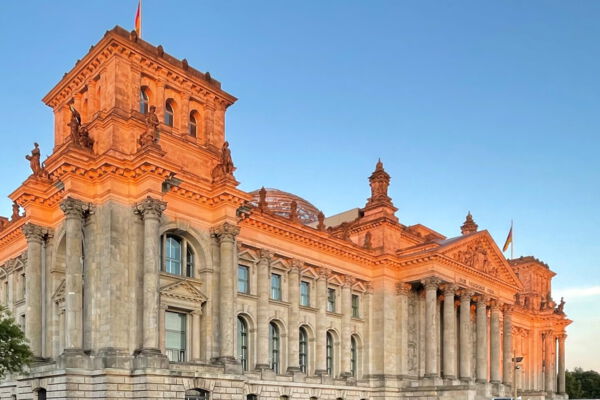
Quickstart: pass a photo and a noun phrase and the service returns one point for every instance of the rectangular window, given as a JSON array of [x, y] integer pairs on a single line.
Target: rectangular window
[[331, 300], [22, 322], [243, 279], [304, 293], [276, 286], [355, 306], [175, 337], [23, 286]]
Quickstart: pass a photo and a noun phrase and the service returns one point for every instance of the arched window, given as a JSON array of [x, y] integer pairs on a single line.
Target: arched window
[[192, 124], [197, 394], [329, 354], [251, 397], [242, 342], [144, 100], [353, 356], [303, 350], [274, 344], [41, 394], [178, 256], [169, 113]]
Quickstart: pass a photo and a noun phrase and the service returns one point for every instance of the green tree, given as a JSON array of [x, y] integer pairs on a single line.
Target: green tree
[[15, 354], [582, 384]]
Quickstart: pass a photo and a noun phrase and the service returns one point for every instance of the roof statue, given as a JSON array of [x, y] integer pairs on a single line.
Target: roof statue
[[15, 211], [151, 134], [224, 169], [469, 226], [262, 199]]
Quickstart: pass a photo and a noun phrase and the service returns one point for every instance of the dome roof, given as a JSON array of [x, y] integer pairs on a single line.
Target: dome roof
[[278, 202]]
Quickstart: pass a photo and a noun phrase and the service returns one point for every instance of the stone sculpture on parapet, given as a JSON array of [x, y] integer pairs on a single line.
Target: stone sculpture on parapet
[[223, 171], [150, 135]]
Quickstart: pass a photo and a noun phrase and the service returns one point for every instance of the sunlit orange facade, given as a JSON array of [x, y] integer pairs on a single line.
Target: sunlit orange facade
[[138, 269]]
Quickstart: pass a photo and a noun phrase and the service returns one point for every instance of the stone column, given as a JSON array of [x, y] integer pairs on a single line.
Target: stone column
[[74, 211], [151, 211], [507, 353], [226, 234], [561, 363], [33, 283], [431, 326], [403, 290], [495, 343], [294, 316], [550, 344], [449, 335], [465, 335], [195, 337], [320, 353], [346, 324], [262, 313], [482, 347]]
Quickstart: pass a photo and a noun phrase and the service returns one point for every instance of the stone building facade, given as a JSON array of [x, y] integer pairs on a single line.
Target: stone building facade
[[139, 270]]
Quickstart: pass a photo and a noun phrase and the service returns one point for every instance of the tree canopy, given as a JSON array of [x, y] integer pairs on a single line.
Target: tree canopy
[[14, 350], [583, 384]]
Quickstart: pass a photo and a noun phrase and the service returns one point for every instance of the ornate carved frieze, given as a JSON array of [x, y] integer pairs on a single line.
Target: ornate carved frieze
[[403, 288]]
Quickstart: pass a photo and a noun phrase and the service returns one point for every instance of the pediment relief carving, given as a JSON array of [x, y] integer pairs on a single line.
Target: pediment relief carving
[[183, 290], [475, 255], [481, 254]]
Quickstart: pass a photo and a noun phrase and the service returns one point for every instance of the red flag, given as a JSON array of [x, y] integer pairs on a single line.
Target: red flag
[[138, 19]]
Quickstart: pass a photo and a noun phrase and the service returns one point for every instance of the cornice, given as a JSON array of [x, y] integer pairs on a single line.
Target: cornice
[[308, 237], [117, 43]]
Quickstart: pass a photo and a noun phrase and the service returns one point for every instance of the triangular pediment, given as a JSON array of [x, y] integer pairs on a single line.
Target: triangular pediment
[[183, 290], [479, 252]]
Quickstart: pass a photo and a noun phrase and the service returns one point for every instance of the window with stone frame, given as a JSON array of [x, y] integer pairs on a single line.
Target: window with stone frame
[[331, 299], [242, 342], [144, 100], [178, 256], [275, 286], [169, 113], [197, 394], [305, 293], [355, 306], [193, 124], [175, 336], [274, 347], [303, 349], [252, 396], [353, 356], [329, 350], [23, 287], [243, 279]]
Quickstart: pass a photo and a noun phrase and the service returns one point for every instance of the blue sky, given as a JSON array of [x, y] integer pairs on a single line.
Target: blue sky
[[490, 107]]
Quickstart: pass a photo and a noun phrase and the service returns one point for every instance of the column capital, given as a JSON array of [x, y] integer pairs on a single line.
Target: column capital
[[348, 281], [508, 310], [368, 287], [495, 305], [562, 337], [225, 232], [431, 283], [465, 294], [481, 298], [150, 208], [296, 265], [265, 255], [34, 233], [75, 208], [323, 272], [449, 289], [403, 288]]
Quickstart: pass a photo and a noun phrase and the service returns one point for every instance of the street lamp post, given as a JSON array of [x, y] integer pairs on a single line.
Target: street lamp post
[[516, 366]]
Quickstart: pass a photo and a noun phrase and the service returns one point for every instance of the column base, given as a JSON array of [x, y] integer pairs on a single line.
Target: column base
[[466, 379], [450, 377], [261, 367], [481, 380], [320, 372], [111, 357], [150, 358], [73, 358], [230, 365]]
